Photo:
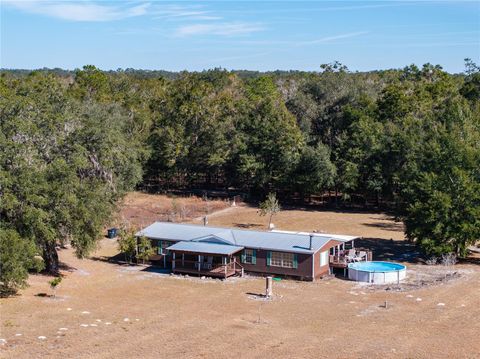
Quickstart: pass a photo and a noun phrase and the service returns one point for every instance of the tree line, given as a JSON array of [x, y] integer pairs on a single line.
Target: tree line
[[73, 143]]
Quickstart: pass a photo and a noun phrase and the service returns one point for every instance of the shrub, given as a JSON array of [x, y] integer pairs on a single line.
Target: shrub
[[17, 257]]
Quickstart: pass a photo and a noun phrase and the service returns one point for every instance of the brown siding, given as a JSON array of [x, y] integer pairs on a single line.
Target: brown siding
[[320, 270], [323, 270], [304, 270]]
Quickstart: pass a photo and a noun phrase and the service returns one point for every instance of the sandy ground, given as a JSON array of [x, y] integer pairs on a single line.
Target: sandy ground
[[141, 209], [352, 223], [106, 310]]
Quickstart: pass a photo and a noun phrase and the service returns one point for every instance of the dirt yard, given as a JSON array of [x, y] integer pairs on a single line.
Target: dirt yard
[[106, 310], [141, 209]]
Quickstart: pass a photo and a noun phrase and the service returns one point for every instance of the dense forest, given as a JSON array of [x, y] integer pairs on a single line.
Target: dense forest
[[73, 143]]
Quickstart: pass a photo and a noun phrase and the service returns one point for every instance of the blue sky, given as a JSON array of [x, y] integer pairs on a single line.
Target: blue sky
[[254, 35]]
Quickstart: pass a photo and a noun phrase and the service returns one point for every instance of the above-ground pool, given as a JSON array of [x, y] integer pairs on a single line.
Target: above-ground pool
[[376, 272]]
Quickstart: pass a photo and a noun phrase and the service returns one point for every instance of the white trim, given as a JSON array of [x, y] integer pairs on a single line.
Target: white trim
[[313, 266]]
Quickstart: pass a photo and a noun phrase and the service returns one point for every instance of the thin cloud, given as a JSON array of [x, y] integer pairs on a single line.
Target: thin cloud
[[85, 11], [279, 9], [333, 38], [221, 29], [323, 40], [175, 12]]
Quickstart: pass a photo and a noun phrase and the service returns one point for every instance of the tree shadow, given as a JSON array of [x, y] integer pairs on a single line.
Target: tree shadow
[[116, 259], [390, 250], [471, 259], [156, 269], [248, 225], [330, 208], [44, 295], [394, 227], [66, 267]]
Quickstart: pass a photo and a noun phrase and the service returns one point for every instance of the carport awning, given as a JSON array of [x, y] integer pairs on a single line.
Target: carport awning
[[202, 247]]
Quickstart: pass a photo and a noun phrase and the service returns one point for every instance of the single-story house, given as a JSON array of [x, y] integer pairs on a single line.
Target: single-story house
[[223, 252]]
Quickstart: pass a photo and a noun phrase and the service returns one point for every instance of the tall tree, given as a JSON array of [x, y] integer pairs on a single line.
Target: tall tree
[[64, 166]]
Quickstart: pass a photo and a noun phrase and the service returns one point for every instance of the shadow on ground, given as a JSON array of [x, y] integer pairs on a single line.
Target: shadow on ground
[[247, 225], [385, 249], [388, 226], [44, 295], [116, 259], [155, 269], [256, 295], [66, 267], [473, 258]]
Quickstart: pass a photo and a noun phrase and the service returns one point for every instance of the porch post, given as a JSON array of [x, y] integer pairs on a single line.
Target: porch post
[[173, 261], [199, 263], [225, 265], [353, 243], [183, 259]]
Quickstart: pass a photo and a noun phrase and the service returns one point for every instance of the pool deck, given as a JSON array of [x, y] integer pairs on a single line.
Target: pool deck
[[342, 262]]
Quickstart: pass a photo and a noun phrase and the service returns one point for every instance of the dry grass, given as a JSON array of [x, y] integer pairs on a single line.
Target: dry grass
[[141, 209], [364, 224], [191, 318]]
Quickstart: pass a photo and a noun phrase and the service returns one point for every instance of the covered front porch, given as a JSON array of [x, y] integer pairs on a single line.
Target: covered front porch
[[208, 259]]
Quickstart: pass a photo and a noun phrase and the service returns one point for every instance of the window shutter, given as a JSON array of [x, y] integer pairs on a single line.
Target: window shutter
[[295, 261], [269, 257], [243, 256], [254, 257]]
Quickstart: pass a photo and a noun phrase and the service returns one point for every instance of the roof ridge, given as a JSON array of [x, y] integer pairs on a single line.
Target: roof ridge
[[232, 229]]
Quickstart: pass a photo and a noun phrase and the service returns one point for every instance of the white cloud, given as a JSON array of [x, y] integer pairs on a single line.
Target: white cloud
[[179, 13], [333, 38], [82, 11], [322, 40], [222, 29]]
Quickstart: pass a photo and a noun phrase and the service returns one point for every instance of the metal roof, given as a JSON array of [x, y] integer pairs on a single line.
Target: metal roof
[[277, 241], [205, 247], [337, 237]]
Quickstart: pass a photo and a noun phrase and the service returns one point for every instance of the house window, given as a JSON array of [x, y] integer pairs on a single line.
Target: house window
[[163, 245], [249, 256], [281, 259], [323, 258]]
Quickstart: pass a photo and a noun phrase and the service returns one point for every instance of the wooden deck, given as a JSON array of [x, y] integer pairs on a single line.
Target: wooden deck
[[218, 271], [341, 261]]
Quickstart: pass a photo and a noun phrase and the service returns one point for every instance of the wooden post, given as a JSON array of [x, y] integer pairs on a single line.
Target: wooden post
[[199, 263], [173, 261], [183, 259]]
